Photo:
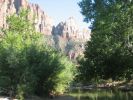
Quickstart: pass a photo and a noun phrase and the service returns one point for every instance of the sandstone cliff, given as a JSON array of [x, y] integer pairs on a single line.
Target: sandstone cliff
[[43, 23], [69, 38], [66, 36], [71, 30]]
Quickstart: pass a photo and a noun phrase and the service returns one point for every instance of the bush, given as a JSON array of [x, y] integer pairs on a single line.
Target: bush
[[27, 65]]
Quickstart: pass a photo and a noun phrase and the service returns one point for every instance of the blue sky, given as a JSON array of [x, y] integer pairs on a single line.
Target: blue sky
[[61, 10]]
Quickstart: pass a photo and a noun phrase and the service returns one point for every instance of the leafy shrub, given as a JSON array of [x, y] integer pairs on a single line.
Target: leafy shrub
[[28, 65]]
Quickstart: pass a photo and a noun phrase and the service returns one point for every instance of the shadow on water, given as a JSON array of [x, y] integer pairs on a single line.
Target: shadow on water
[[97, 94], [65, 97], [94, 94], [101, 94]]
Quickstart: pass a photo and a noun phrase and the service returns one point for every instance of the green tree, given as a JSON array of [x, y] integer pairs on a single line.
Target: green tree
[[28, 65], [109, 52]]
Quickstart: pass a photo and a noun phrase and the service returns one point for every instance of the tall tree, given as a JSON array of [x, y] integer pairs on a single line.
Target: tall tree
[[109, 53], [28, 65]]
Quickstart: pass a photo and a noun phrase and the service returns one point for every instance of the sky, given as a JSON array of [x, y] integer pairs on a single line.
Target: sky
[[61, 10]]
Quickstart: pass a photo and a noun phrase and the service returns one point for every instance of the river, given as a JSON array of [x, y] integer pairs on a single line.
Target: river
[[96, 94], [92, 94], [101, 94]]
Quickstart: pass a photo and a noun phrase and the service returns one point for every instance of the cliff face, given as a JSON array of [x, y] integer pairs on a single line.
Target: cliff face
[[43, 23], [66, 36], [7, 7], [69, 38], [70, 29]]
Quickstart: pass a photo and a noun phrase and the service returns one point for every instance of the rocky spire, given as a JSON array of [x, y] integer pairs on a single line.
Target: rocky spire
[[70, 29], [69, 38]]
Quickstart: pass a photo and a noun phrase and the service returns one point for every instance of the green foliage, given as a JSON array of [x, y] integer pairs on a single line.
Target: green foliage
[[20, 91], [110, 51], [27, 65], [70, 45]]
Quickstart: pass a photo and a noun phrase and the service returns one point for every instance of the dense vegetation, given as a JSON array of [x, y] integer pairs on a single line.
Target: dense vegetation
[[109, 53], [28, 66]]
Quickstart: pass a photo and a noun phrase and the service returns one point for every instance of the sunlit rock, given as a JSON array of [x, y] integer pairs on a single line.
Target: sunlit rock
[[43, 23]]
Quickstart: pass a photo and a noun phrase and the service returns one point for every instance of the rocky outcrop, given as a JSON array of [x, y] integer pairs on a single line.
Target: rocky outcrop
[[42, 22], [70, 29], [69, 38], [7, 7], [66, 36]]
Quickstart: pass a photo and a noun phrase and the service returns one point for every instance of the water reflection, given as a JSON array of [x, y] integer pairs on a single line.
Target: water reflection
[[101, 94]]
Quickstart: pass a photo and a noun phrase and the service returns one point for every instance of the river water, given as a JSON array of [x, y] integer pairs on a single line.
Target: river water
[[93, 94], [100, 94]]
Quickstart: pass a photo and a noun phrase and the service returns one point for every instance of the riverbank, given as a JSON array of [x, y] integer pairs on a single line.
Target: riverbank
[[108, 84], [122, 86], [39, 98]]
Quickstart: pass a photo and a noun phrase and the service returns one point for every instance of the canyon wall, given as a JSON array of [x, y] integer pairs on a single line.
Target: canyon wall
[[43, 23], [66, 37]]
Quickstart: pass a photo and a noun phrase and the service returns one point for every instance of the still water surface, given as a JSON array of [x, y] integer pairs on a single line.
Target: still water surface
[[100, 94]]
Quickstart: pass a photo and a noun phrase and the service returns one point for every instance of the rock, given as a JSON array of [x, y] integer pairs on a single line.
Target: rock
[[70, 38], [43, 23], [7, 8], [20, 4], [85, 34], [70, 29], [67, 36]]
